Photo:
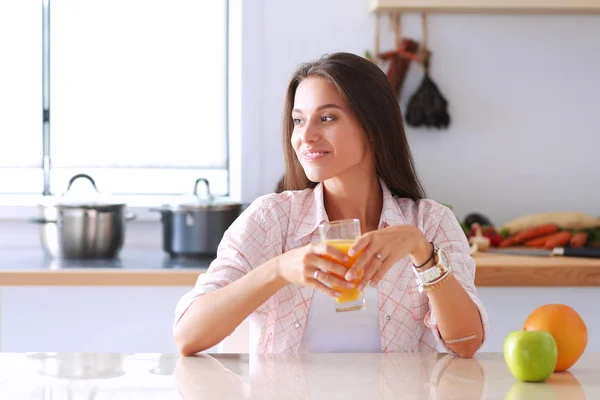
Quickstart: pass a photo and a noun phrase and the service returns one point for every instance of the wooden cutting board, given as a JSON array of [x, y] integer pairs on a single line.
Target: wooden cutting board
[[517, 270]]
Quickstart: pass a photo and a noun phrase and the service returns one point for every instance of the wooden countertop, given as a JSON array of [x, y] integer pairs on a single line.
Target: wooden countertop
[[152, 268], [514, 270], [236, 376], [100, 277]]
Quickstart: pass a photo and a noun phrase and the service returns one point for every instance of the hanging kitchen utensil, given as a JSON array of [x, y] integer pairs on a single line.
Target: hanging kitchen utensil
[[399, 59], [427, 106]]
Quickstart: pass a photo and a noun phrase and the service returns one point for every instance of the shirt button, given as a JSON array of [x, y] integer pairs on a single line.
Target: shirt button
[[387, 317], [297, 325]]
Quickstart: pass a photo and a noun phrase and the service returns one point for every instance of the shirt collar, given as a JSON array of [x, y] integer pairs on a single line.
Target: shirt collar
[[391, 213], [314, 212]]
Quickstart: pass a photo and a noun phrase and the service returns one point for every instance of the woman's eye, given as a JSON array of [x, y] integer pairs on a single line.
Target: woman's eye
[[297, 121], [327, 118]]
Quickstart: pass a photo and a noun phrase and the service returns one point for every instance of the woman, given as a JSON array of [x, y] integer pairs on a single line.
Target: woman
[[346, 157]]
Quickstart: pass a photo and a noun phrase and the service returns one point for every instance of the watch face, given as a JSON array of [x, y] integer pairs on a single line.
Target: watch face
[[443, 259]]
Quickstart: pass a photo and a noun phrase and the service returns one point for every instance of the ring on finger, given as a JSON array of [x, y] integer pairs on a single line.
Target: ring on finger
[[379, 256], [316, 275]]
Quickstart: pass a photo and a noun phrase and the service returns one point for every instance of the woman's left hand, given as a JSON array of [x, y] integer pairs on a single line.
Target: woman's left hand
[[382, 248]]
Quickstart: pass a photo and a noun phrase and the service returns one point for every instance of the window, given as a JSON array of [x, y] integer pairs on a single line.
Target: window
[[20, 96], [137, 95]]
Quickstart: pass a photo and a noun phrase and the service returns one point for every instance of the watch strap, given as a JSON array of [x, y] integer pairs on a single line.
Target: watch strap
[[433, 274], [430, 274]]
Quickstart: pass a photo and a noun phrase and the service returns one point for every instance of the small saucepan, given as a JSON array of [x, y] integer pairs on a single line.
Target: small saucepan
[[194, 225]]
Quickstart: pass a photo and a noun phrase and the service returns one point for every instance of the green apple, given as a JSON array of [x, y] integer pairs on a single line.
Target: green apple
[[530, 355]]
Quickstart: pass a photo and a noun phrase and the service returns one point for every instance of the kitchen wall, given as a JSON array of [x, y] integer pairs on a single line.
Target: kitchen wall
[[523, 91]]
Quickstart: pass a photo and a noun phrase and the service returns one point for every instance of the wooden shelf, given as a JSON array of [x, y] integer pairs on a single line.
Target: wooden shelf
[[488, 6]]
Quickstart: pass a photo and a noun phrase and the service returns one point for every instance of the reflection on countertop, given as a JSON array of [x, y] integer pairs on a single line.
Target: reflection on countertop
[[305, 376], [22, 259], [374, 376]]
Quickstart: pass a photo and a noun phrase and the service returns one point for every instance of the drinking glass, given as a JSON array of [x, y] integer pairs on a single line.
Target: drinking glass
[[342, 235]]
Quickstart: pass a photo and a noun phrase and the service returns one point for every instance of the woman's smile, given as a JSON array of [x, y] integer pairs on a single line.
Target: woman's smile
[[314, 154]]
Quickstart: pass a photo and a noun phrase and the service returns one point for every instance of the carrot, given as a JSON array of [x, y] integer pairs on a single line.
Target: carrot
[[508, 242], [540, 241], [579, 239], [535, 232], [558, 240]]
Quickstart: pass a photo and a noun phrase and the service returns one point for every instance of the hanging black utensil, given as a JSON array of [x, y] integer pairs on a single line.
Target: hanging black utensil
[[427, 106]]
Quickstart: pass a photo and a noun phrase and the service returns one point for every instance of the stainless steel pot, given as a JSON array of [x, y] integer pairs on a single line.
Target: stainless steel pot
[[195, 226], [82, 227]]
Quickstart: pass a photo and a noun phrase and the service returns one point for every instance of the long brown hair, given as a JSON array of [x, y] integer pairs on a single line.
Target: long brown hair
[[367, 92]]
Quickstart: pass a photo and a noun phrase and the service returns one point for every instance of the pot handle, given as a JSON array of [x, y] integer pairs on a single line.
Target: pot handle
[[41, 221], [130, 216], [205, 181], [82, 176]]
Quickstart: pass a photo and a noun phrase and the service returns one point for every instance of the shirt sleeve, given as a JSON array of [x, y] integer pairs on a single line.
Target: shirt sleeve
[[246, 244], [450, 237]]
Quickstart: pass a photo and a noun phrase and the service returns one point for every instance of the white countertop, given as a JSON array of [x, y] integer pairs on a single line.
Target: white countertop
[[33, 258], [311, 376]]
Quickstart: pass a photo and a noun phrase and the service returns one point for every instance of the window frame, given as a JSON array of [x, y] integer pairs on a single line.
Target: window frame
[[16, 204]]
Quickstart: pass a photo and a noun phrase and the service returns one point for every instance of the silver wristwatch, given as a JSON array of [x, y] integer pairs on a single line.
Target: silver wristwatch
[[440, 267]]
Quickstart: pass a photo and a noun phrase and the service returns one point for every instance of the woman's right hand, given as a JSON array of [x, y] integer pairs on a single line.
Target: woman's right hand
[[300, 266]]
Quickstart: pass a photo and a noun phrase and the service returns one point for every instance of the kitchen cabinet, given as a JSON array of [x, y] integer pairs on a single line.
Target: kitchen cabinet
[[95, 319], [130, 308], [139, 319], [488, 6]]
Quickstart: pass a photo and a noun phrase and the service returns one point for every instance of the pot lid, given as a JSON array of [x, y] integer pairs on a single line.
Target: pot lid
[[195, 201], [81, 199]]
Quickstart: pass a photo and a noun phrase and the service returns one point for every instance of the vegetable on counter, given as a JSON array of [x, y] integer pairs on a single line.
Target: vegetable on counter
[[593, 240], [477, 241], [476, 218], [560, 240], [508, 242], [540, 241], [536, 236], [504, 232], [474, 221], [495, 238], [563, 238], [579, 239], [535, 232], [564, 220], [546, 230]]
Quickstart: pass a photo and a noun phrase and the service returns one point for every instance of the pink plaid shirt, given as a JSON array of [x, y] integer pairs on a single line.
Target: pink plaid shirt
[[276, 223]]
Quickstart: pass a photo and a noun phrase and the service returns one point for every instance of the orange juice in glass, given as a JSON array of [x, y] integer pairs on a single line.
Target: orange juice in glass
[[342, 235]]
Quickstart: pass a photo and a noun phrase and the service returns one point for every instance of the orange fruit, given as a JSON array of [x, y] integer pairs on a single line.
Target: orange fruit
[[567, 328]]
